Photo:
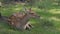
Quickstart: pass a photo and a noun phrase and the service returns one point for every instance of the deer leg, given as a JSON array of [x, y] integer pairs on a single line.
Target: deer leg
[[28, 26]]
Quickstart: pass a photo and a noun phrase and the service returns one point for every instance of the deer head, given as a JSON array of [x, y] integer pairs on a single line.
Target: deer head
[[31, 13]]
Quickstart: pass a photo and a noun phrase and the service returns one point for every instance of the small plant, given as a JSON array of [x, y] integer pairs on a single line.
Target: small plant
[[47, 23]]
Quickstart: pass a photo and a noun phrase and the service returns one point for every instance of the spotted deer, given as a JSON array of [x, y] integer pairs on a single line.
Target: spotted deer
[[20, 20]]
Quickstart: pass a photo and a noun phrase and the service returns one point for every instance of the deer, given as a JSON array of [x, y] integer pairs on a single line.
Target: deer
[[20, 20]]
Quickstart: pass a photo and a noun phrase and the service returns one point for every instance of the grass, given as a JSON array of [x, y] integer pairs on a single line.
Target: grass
[[49, 17]]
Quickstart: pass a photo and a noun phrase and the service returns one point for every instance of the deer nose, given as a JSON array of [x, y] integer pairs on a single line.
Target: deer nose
[[38, 16]]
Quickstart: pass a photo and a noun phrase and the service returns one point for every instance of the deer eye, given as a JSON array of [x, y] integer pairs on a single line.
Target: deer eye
[[31, 13]]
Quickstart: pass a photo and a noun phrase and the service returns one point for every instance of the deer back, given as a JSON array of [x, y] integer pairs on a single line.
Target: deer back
[[16, 17]]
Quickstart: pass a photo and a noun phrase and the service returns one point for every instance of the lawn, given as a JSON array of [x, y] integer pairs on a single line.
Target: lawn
[[49, 21]]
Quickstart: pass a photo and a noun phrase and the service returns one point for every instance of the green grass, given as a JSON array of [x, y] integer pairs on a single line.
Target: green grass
[[39, 27]]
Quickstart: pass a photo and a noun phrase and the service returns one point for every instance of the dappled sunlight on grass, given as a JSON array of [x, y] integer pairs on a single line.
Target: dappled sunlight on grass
[[17, 8], [54, 18], [35, 9], [58, 29], [55, 3], [55, 11], [51, 18]]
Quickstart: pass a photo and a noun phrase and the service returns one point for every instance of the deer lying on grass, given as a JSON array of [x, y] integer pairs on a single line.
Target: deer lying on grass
[[20, 20]]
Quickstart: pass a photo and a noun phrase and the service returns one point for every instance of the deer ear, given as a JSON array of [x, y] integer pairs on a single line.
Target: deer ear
[[24, 9], [30, 9]]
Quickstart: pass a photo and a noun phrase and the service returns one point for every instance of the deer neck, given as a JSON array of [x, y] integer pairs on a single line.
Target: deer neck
[[26, 19]]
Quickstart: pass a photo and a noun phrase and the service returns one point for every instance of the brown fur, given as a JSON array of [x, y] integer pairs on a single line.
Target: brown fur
[[19, 20]]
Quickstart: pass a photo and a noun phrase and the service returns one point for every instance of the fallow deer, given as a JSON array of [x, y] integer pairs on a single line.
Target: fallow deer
[[20, 21]]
